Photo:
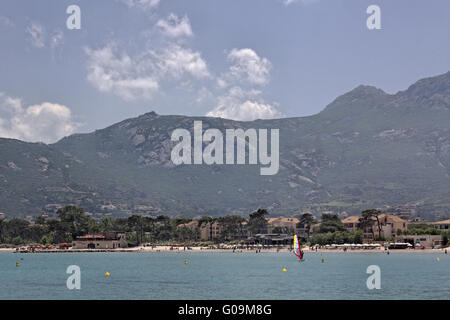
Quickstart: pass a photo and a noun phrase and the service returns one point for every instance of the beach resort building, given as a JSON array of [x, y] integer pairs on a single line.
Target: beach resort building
[[351, 223], [427, 241], [271, 239], [104, 240], [193, 225], [286, 225], [442, 225], [210, 230], [389, 223]]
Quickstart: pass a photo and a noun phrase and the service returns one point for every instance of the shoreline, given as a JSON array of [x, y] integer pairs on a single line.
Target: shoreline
[[147, 249]]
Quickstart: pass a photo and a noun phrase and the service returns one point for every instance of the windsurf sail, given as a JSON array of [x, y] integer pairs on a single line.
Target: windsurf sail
[[297, 249]]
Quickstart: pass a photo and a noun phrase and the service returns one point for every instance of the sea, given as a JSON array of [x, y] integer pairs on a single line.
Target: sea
[[223, 275]]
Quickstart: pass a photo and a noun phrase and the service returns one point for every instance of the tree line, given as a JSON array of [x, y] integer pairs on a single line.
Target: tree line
[[72, 222]]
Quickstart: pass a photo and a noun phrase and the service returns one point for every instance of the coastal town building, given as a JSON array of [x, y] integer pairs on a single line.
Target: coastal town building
[[351, 223], [442, 225], [426, 241], [104, 240], [285, 225], [271, 239], [390, 224], [193, 225], [210, 230]]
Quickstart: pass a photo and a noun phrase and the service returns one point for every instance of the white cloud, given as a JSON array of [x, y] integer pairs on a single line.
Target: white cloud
[[178, 61], [247, 65], [242, 105], [46, 122], [130, 78], [175, 27], [36, 32], [247, 69], [138, 77], [143, 4]]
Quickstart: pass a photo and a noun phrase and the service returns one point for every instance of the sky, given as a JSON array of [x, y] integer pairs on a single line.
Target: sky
[[236, 59]]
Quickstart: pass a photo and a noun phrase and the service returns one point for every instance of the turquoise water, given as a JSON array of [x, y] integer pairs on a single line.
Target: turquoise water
[[224, 276]]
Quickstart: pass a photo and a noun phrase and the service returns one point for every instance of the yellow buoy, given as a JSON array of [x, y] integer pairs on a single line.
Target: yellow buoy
[[17, 264], [284, 270], [107, 273], [185, 262], [323, 260]]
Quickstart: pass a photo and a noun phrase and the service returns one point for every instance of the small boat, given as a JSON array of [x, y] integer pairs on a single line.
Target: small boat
[[297, 249]]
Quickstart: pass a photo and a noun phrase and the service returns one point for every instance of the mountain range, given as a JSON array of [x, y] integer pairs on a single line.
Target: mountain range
[[366, 149]]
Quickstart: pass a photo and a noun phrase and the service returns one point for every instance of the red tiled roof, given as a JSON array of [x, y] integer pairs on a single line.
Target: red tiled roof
[[351, 219]]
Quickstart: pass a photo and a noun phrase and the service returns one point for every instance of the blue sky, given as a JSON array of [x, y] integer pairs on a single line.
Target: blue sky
[[235, 59]]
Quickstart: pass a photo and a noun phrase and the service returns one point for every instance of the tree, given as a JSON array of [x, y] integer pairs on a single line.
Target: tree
[[46, 239], [367, 219], [366, 222], [231, 226], [135, 223], [106, 224], [2, 230], [331, 223], [445, 238], [257, 222], [75, 222], [203, 220], [16, 229], [358, 237], [307, 220]]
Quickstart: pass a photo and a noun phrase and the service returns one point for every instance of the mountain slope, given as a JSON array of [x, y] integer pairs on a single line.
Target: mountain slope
[[365, 149]]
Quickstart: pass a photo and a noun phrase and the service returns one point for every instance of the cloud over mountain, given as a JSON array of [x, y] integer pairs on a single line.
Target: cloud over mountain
[[248, 66], [242, 101], [239, 104], [46, 122]]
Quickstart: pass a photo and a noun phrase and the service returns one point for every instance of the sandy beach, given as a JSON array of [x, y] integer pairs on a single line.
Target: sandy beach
[[261, 250], [179, 249]]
